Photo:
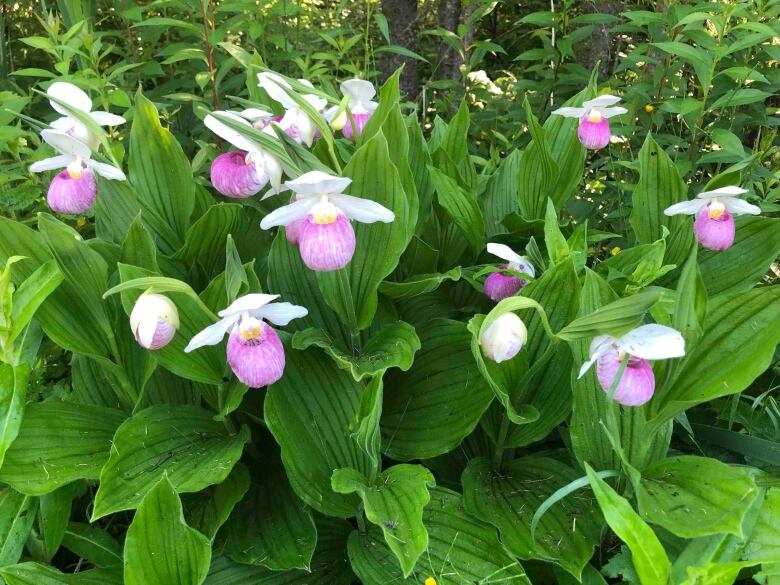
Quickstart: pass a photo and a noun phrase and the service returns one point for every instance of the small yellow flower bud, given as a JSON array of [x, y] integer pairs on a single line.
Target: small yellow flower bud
[[81, 222], [649, 108], [430, 581], [615, 251]]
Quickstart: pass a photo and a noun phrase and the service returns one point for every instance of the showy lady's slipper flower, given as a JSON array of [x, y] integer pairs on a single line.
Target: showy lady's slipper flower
[[360, 93], [715, 211], [76, 98], [254, 350], [500, 286], [647, 342], [594, 117], [295, 122], [154, 320], [326, 240], [73, 190], [243, 173], [504, 339]]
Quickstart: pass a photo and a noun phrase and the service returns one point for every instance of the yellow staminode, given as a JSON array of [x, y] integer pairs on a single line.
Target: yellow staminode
[[75, 169], [594, 116], [324, 212], [250, 329], [715, 210]]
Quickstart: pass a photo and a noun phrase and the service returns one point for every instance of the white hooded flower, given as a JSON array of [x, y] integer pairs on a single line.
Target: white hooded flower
[[295, 122], [594, 110], [504, 339], [75, 156], [154, 320], [76, 98], [717, 202]]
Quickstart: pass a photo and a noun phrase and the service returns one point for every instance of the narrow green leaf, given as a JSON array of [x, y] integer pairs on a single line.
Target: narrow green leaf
[[461, 206], [93, 544], [209, 509], [17, 514]]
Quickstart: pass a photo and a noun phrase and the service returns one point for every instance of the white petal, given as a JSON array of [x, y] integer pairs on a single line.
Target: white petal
[[611, 112], [732, 191], [359, 91], [269, 165], [601, 102], [274, 85], [362, 210], [280, 313], [212, 334], [691, 207], [740, 206], [107, 119], [286, 214], [371, 106], [66, 144], [247, 303], [64, 124], [316, 101], [297, 119], [56, 162], [523, 266], [653, 342], [255, 114], [145, 331], [598, 347], [107, 171], [318, 183], [232, 136], [504, 252], [570, 112], [71, 95]]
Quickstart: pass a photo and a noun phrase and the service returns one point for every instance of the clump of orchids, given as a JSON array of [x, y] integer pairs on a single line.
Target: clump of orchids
[[593, 131], [74, 190]]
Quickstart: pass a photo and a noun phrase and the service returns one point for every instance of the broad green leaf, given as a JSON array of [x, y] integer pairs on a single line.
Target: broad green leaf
[[59, 442], [368, 434], [699, 59], [394, 501], [205, 240], [53, 514], [567, 533], [314, 434], [35, 574], [160, 548], [461, 549], [538, 170], [13, 393], [17, 514], [616, 318], [430, 409], [352, 291], [716, 574], [209, 509], [115, 210], [648, 555], [719, 364], [235, 273], [455, 143], [741, 267], [183, 442], [567, 150], [271, 526], [138, 247], [161, 176], [764, 541], [31, 294], [659, 187], [416, 285], [500, 197], [93, 544], [695, 496], [393, 346], [557, 247], [461, 206], [419, 161]]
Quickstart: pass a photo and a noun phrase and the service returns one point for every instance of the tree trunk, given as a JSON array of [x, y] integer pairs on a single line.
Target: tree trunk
[[599, 47], [449, 59], [401, 18]]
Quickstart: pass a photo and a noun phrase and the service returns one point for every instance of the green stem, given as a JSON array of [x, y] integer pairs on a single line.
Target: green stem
[[503, 431]]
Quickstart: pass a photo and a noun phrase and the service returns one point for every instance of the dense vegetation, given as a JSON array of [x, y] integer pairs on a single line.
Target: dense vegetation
[[513, 318]]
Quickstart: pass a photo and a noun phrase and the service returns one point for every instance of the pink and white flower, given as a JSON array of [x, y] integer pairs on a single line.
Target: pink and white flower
[[647, 342], [242, 173], [295, 122], [715, 210], [78, 99], [74, 190], [504, 339], [254, 350], [327, 239], [500, 286], [360, 94], [594, 132], [154, 320]]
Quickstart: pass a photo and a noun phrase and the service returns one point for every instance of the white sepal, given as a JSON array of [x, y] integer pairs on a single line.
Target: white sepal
[[212, 334], [66, 144], [107, 119], [598, 347], [318, 183], [280, 313], [601, 101], [653, 342], [570, 112], [740, 206], [362, 210], [226, 133], [71, 95], [611, 112], [731, 191], [286, 214], [247, 303], [691, 207], [106, 171], [48, 164]]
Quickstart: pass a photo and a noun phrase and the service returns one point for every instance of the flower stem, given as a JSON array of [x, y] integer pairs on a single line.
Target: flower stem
[[503, 431]]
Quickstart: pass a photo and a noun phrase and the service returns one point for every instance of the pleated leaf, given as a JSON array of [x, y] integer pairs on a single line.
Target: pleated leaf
[[209, 509], [36, 574], [461, 206], [17, 514]]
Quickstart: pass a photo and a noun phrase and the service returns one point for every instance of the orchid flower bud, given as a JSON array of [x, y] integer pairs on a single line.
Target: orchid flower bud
[[154, 320], [504, 339]]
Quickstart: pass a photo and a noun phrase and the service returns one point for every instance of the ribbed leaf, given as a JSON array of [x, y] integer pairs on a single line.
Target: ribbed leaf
[[92, 544], [461, 550], [416, 285], [394, 501], [461, 206], [500, 198], [183, 442], [205, 240], [566, 149], [54, 511], [567, 533], [209, 509], [35, 574], [430, 409], [538, 170], [17, 514], [59, 442], [764, 542], [13, 391], [309, 412], [160, 548]]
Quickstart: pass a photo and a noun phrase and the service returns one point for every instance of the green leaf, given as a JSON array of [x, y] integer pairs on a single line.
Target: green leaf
[[35, 574], [235, 274], [696, 496], [59, 442], [648, 555], [764, 541], [461, 549], [700, 59], [461, 206], [566, 149], [314, 435], [138, 247], [183, 442], [616, 318], [205, 240], [567, 533], [419, 284], [160, 548], [659, 187], [161, 175], [393, 346], [556, 244], [455, 144], [718, 364], [13, 392], [53, 514], [209, 509], [271, 526], [500, 199], [394, 501], [93, 544], [433, 407], [31, 294], [17, 514], [538, 170]]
